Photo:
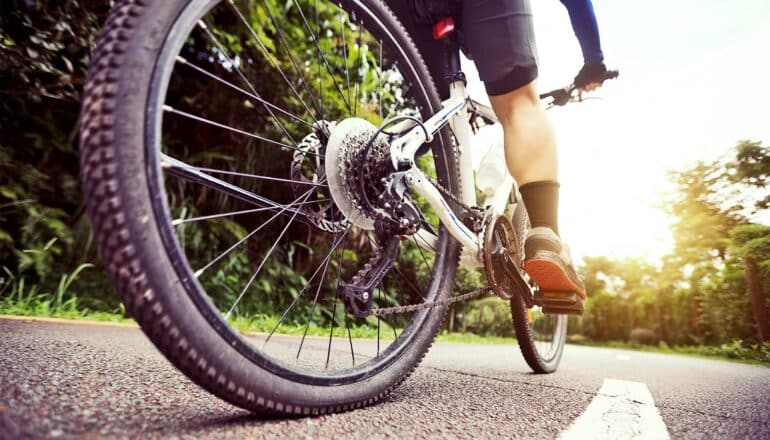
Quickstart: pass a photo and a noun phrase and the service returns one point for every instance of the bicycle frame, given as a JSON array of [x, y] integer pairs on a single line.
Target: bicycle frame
[[455, 113]]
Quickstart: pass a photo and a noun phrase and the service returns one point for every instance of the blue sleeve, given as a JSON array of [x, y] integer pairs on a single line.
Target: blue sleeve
[[583, 18]]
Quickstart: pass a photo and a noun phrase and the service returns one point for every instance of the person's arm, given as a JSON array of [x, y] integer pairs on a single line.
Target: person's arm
[[583, 18]]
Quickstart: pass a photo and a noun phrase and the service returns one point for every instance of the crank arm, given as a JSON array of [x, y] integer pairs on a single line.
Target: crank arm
[[514, 274]]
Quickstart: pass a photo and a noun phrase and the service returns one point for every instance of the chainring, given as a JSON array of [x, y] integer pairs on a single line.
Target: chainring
[[501, 249]]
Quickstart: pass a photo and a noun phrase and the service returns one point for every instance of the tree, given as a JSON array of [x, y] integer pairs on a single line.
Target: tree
[[753, 243], [752, 168]]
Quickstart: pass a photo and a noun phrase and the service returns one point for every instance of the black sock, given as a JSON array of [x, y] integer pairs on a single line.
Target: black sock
[[542, 202]]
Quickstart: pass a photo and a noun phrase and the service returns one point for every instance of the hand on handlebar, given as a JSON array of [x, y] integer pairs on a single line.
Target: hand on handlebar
[[590, 87], [566, 95]]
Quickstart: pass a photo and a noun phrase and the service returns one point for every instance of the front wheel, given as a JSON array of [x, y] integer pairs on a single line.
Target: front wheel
[[204, 167], [541, 336]]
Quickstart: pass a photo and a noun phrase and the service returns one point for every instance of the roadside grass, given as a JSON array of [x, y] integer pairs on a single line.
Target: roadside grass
[[21, 299], [736, 351], [18, 299]]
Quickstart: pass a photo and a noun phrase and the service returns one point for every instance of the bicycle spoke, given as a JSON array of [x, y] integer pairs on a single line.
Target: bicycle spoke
[[223, 52], [282, 38], [385, 290], [312, 307], [266, 52], [181, 221], [419, 248], [379, 86], [259, 268], [200, 271], [323, 57], [299, 295], [253, 96], [361, 54], [379, 291], [331, 333], [256, 176], [424, 241], [345, 56], [340, 259], [318, 61], [350, 339], [170, 109]]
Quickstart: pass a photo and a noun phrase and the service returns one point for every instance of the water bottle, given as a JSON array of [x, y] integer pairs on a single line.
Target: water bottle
[[492, 172]]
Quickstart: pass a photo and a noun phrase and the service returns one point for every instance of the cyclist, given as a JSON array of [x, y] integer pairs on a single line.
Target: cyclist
[[583, 19], [499, 36]]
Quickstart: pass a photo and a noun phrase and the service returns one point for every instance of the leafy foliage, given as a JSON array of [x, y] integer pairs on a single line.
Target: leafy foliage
[[697, 296]]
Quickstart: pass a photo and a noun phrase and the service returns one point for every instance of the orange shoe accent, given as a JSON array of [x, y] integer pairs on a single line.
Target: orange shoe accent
[[549, 276]]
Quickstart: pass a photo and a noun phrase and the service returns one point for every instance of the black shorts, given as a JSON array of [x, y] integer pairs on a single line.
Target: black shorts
[[497, 34]]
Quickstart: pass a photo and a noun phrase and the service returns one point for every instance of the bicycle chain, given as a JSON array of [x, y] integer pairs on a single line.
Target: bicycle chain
[[429, 305]]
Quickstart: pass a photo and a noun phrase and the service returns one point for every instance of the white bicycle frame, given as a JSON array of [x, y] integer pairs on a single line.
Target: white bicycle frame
[[455, 113]]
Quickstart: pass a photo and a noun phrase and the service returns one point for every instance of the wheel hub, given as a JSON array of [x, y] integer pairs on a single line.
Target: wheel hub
[[307, 170]]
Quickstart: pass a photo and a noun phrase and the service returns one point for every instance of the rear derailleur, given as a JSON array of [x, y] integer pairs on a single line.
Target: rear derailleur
[[395, 216]]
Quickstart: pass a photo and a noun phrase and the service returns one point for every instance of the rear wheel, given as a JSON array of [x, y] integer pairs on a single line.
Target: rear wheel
[[236, 282]]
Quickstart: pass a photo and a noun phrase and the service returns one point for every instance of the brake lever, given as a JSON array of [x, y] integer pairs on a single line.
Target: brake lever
[[564, 96], [559, 97]]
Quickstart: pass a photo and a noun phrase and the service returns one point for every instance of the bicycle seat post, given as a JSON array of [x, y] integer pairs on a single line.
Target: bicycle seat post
[[443, 30]]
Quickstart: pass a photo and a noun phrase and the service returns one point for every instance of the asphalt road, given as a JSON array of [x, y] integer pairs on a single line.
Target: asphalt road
[[65, 380]]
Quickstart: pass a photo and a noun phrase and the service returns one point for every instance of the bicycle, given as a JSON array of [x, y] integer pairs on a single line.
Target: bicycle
[[205, 134]]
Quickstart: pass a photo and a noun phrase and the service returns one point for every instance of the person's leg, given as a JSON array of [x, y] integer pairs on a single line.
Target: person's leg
[[530, 143], [500, 37], [530, 154]]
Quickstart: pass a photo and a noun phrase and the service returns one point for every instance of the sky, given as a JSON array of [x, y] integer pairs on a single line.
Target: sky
[[694, 80]]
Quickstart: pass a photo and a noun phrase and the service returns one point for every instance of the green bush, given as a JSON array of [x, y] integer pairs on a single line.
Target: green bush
[[489, 316]]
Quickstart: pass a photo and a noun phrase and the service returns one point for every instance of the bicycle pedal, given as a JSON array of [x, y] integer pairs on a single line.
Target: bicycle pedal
[[560, 303]]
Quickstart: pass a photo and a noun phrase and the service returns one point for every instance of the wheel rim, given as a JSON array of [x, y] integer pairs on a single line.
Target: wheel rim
[[176, 214]]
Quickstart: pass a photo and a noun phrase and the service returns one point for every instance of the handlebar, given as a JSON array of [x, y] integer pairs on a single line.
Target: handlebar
[[566, 95]]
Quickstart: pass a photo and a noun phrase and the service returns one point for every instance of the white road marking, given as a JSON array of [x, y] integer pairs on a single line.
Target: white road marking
[[622, 357], [621, 409]]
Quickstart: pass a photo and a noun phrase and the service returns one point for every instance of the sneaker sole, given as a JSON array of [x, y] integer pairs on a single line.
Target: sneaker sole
[[549, 276]]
